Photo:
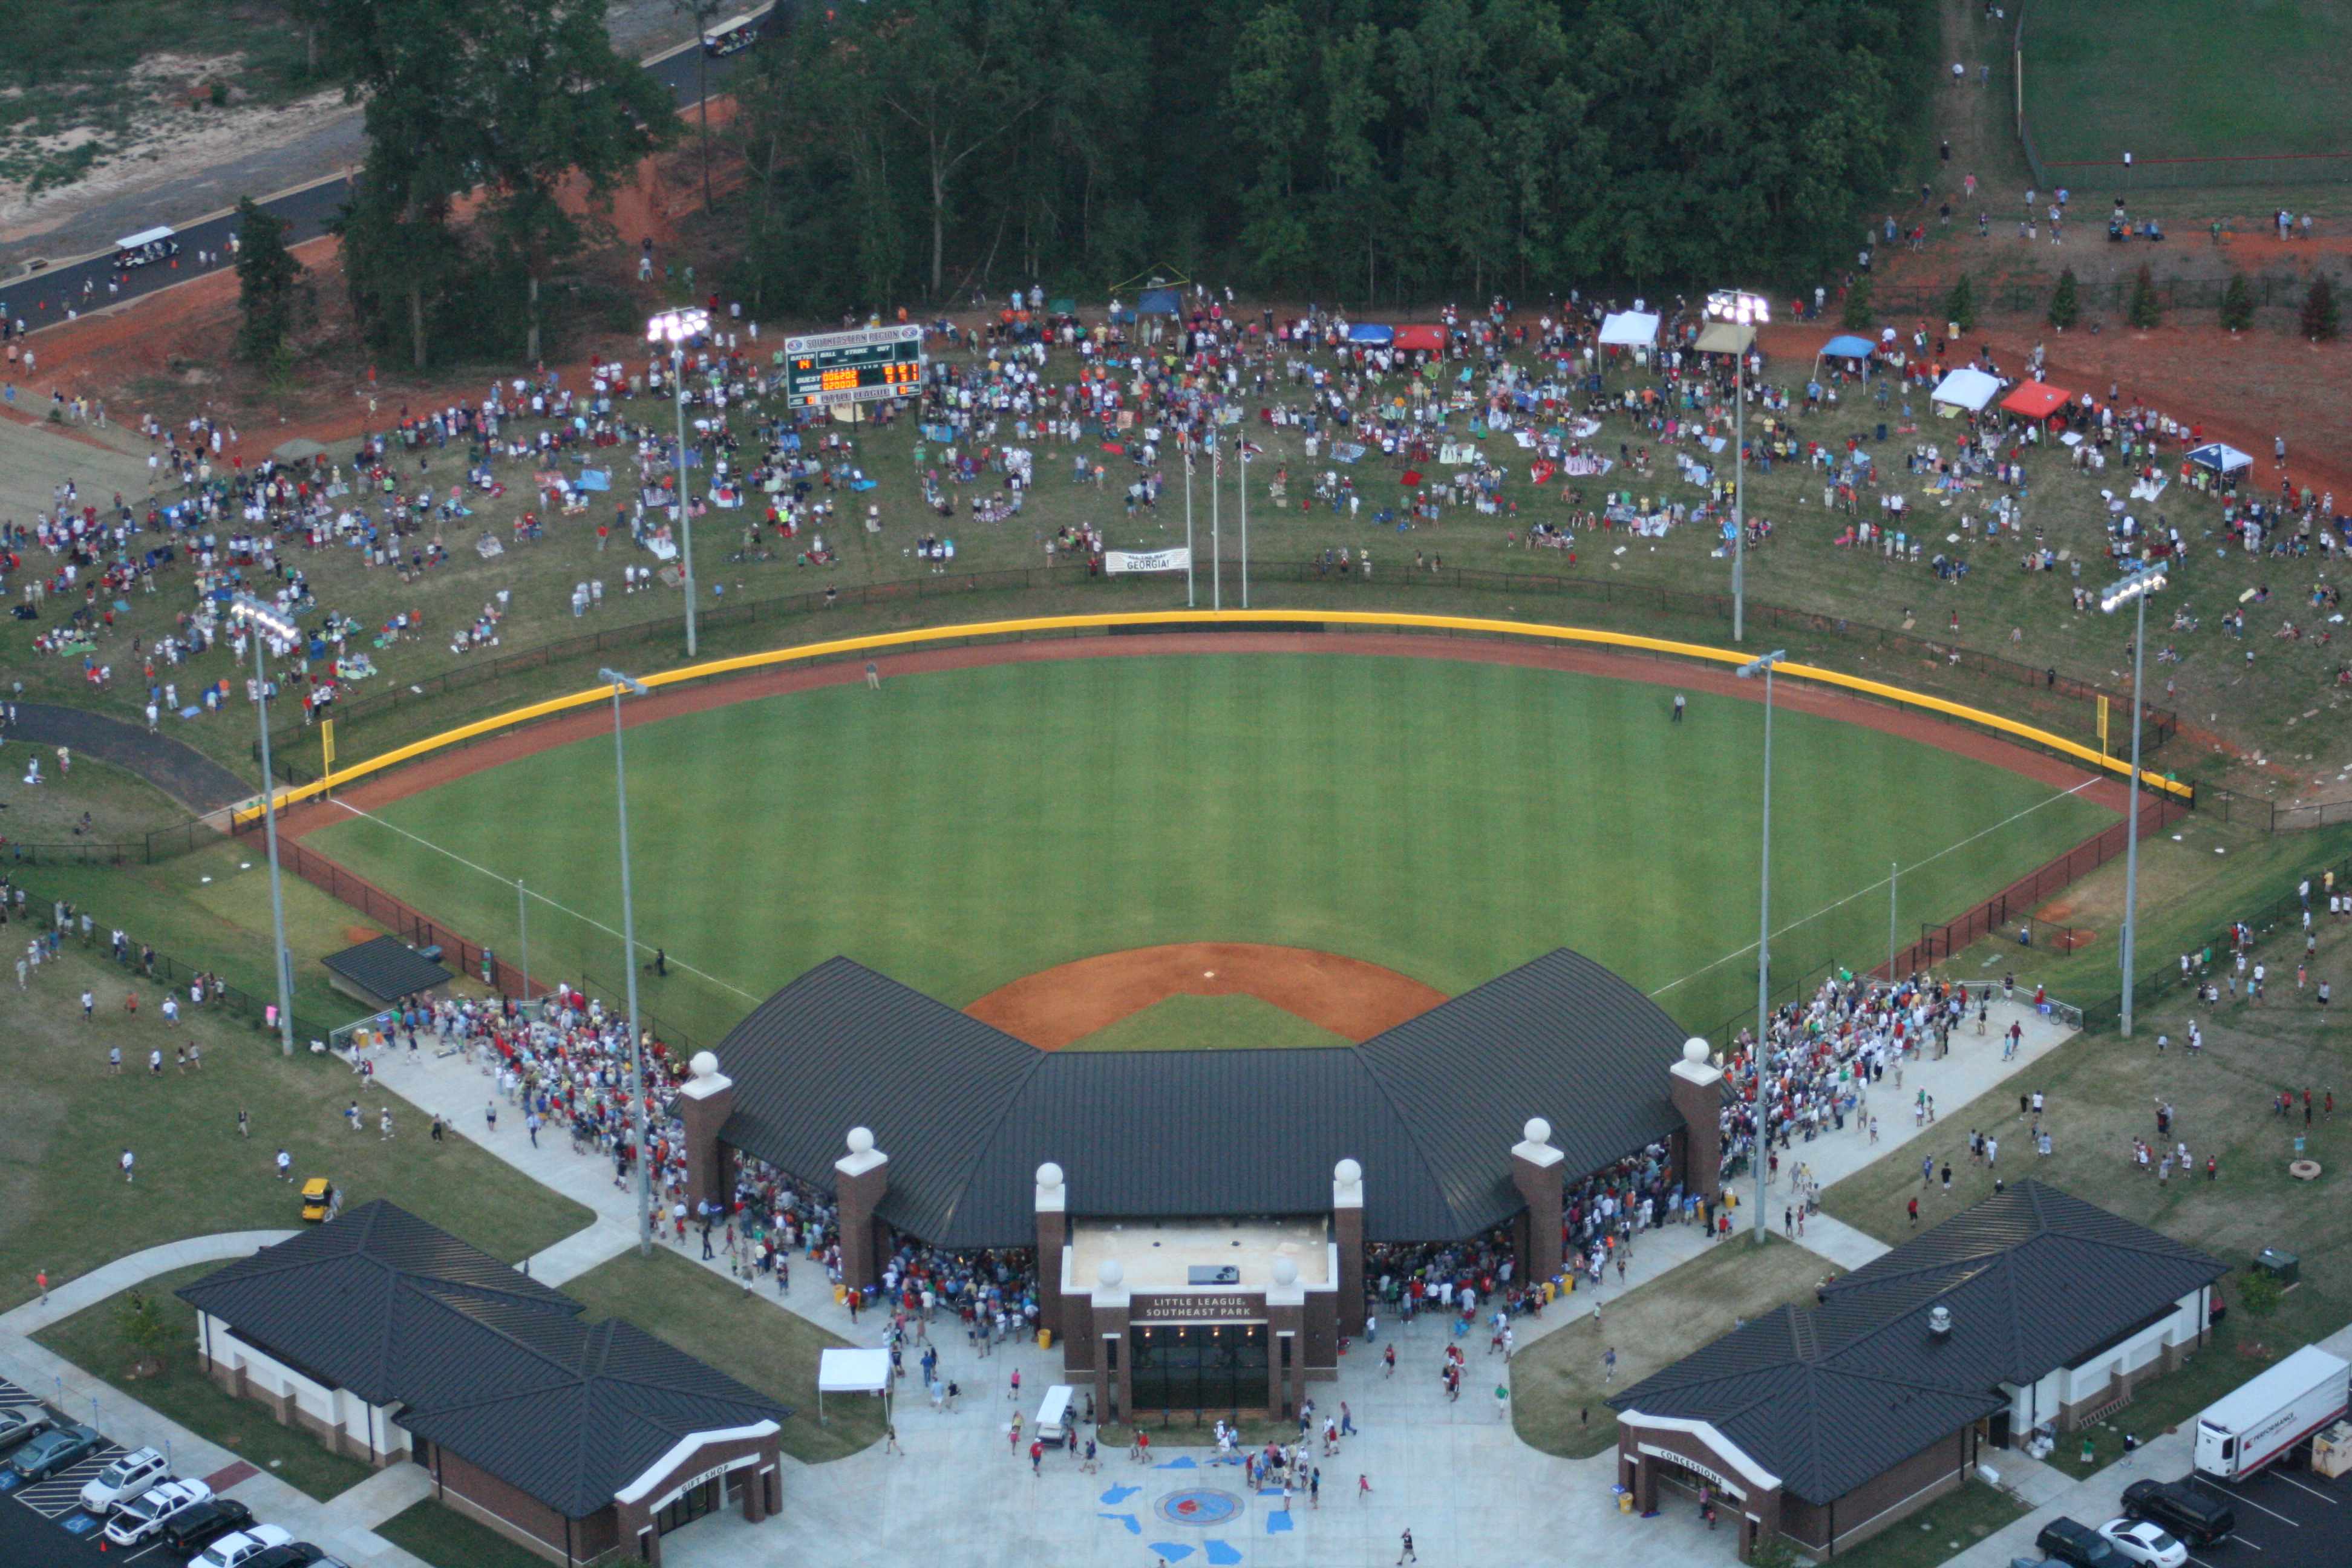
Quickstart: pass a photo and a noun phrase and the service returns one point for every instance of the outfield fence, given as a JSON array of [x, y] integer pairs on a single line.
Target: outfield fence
[[162, 843], [2040, 692]]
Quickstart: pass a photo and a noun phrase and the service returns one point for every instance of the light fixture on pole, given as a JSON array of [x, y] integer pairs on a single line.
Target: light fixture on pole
[[259, 618], [678, 327], [1749, 311], [2134, 591], [1763, 666], [629, 683]]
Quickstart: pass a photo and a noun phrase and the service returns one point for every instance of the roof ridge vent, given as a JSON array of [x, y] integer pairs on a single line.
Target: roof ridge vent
[[1939, 1321]]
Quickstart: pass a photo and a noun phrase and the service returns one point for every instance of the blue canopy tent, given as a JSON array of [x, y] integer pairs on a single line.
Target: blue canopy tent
[[1845, 346], [2220, 456], [1161, 302], [1365, 333]]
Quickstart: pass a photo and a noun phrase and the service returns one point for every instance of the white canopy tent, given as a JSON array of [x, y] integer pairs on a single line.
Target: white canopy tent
[[1967, 388], [1629, 330], [852, 1372]]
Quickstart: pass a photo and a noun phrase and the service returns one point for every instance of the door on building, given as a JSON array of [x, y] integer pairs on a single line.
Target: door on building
[[691, 1505], [1198, 1366]]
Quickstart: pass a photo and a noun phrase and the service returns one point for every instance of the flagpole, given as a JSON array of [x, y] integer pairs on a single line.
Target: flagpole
[[1187, 528], [1241, 477], [1216, 544]]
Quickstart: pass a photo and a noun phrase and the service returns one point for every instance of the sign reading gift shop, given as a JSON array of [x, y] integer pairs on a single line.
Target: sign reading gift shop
[[1196, 1309]]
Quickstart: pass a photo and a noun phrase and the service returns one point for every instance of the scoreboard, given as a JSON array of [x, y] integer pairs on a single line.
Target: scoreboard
[[832, 368]]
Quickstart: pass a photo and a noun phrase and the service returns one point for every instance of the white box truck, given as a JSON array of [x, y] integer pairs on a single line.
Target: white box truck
[[2246, 1430]]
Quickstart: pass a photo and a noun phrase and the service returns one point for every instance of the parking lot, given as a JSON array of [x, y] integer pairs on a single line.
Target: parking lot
[[2286, 1519], [41, 1522]]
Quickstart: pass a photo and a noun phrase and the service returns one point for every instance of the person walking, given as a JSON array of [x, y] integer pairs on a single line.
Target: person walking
[[127, 1162], [1679, 702], [1408, 1554], [285, 1166], [41, 1283]]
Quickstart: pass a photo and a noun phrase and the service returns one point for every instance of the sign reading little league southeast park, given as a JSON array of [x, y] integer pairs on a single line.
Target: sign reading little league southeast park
[[829, 369]]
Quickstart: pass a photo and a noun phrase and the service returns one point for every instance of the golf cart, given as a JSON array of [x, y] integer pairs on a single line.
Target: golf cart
[[318, 1199]]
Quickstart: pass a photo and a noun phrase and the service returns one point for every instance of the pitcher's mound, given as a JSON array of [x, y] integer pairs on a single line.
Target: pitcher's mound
[[1348, 996]]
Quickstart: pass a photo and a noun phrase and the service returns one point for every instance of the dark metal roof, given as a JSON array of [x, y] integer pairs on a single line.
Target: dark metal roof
[[1431, 1108], [1829, 1397], [483, 1360], [388, 968]]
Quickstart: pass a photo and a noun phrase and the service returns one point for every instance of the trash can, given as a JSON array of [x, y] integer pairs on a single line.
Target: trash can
[[2286, 1267], [1045, 1339], [1882, 430]]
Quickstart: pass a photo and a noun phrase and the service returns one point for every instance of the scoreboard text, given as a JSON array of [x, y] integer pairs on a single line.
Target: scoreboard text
[[832, 368]]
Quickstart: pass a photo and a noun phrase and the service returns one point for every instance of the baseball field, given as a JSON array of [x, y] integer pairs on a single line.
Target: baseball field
[[1443, 819]]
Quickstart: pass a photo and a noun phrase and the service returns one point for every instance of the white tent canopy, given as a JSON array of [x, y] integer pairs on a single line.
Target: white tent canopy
[[1967, 388], [851, 1372], [1629, 330]]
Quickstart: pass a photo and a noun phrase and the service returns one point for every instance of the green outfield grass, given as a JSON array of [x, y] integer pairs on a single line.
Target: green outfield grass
[[2183, 79], [1184, 1023], [1448, 820]]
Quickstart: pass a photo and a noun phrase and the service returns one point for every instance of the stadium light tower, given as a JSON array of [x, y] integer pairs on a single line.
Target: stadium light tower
[[631, 684], [1751, 311], [678, 327], [262, 617], [1763, 666], [2134, 591]]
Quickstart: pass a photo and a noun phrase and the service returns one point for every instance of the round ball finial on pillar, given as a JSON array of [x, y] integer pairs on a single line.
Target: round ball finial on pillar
[[1286, 1272], [861, 1139], [1049, 1175], [704, 1065], [1110, 1274], [1347, 1172], [1537, 1129], [1696, 1051]]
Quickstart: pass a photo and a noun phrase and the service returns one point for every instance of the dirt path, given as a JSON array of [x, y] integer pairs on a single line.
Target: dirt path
[[176, 768], [1346, 995]]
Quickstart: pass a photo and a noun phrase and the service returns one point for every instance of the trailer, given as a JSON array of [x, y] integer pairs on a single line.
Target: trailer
[[2242, 1432]]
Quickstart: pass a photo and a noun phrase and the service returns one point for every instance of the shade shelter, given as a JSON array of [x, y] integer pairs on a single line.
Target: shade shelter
[[1846, 345], [851, 1372], [1725, 338], [2220, 456], [1629, 330], [2038, 400], [1967, 388], [1161, 302], [1429, 339]]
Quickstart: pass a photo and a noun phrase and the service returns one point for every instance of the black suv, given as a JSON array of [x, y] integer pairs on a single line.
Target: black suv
[[2181, 1508], [2071, 1541], [198, 1527]]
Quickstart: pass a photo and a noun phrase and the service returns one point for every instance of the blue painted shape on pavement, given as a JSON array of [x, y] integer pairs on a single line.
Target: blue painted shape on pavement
[[1117, 1495], [1223, 1554], [1278, 1523], [1171, 1550], [1185, 1463], [1126, 1519]]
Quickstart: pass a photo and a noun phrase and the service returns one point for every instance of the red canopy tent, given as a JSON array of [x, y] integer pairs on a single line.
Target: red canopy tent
[[2037, 400], [1430, 340]]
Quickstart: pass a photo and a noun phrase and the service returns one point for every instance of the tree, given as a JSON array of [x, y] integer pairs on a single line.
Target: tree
[[144, 1329], [2321, 319], [2065, 308], [703, 13], [268, 277], [1774, 1552], [1960, 304], [2258, 1292], [1267, 93], [2143, 311], [2237, 303], [1858, 313]]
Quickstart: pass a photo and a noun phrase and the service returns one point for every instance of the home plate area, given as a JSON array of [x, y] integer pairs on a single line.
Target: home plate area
[[1205, 1508]]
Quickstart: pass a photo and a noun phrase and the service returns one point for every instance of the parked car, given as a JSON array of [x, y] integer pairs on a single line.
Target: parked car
[[296, 1554], [22, 1424], [54, 1450], [124, 1478], [235, 1550], [146, 1516], [2195, 1517], [207, 1521], [2072, 1541], [2144, 1542]]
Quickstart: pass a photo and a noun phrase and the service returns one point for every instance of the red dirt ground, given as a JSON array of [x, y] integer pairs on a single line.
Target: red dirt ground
[[1346, 995], [1055, 1006]]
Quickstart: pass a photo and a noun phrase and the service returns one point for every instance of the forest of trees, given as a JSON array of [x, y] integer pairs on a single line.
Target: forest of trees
[[1355, 150]]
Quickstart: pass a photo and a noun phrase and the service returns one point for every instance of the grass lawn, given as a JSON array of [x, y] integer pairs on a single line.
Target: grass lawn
[[120, 807], [753, 1341], [65, 1207], [1447, 820], [1556, 1391], [92, 1340], [1185, 1023], [1949, 1525], [440, 1535], [2101, 1095], [2156, 78]]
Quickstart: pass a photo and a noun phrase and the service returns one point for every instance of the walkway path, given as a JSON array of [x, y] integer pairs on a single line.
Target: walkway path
[[343, 1526], [176, 768]]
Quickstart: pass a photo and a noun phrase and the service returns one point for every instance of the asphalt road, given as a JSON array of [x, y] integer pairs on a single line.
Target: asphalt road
[[43, 298]]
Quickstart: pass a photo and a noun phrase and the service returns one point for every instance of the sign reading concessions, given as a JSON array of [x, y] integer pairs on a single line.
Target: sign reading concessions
[[1176, 559], [834, 368], [1225, 1309]]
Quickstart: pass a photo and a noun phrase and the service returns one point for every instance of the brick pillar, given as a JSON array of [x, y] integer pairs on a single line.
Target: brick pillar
[[1285, 1319], [1695, 1086], [705, 1104], [1053, 1232], [1107, 1321], [862, 1176], [1348, 1236], [1535, 1171]]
